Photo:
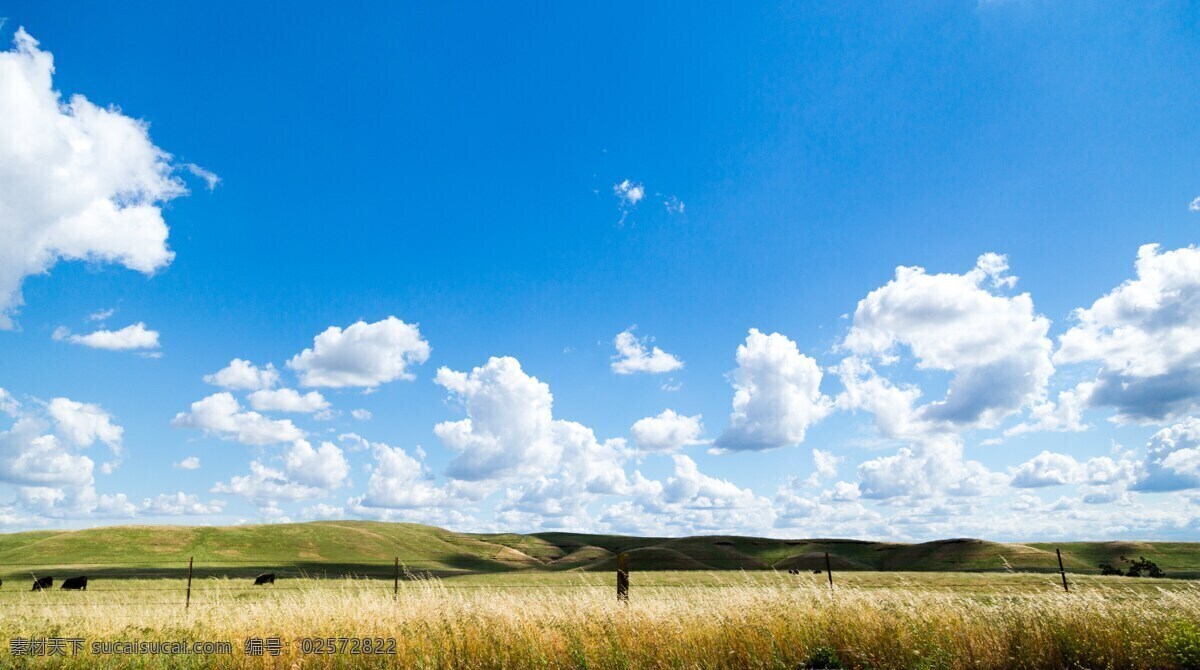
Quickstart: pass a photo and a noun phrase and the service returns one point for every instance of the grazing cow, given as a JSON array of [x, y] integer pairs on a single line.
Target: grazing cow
[[793, 571], [75, 584], [41, 583], [265, 578]]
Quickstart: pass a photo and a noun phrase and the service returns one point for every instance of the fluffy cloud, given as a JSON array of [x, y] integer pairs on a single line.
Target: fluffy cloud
[[1047, 469], [364, 354], [40, 456], [837, 512], [1064, 416], [510, 431], [1146, 335], [399, 481], [77, 181], [324, 467], [928, 469], [323, 511], [189, 463], [129, 338], [287, 400], [629, 192], [996, 348], [552, 468], [243, 375], [221, 415], [667, 431], [891, 404], [1172, 458], [633, 356], [689, 502], [777, 395], [83, 424], [1102, 479], [825, 464], [361, 414], [179, 504], [266, 486], [307, 473]]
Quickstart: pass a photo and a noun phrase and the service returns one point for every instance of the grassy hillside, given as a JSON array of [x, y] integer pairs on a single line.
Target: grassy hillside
[[368, 548]]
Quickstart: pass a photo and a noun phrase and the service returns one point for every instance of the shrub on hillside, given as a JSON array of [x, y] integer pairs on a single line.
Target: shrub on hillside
[[1139, 568]]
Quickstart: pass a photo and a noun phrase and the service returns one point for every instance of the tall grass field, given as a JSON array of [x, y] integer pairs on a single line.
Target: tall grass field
[[475, 611], [693, 620]]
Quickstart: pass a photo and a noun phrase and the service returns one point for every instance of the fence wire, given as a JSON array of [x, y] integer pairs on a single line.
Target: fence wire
[[209, 578]]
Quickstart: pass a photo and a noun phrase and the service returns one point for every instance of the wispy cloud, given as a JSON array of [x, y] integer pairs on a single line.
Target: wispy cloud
[[629, 193], [129, 338], [210, 178]]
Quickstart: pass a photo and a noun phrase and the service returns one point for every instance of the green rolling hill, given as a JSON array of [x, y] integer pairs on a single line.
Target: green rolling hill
[[370, 548]]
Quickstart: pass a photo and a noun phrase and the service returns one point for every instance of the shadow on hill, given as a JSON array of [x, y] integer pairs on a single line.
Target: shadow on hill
[[443, 567]]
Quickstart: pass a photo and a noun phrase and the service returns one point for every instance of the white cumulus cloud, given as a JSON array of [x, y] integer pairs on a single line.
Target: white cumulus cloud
[[400, 481], [777, 395], [324, 467], [221, 415], [129, 338], [188, 463], [77, 181], [995, 347], [1172, 458], [929, 469], [179, 504], [689, 502], [1047, 469], [364, 354], [242, 375], [84, 423], [287, 400], [634, 356], [266, 486], [41, 456], [667, 432], [307, 473], [825, 464], [1145, 333], [552, 467]]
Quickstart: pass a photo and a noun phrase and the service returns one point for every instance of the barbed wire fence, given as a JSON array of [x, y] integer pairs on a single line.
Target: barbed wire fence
[[178, 576]]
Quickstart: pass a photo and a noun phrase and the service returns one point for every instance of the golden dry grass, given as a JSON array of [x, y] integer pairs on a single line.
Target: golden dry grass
[[729, 621]]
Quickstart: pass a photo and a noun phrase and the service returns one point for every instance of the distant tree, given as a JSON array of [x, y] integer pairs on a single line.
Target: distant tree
[[1106, 569], [1142, 568]]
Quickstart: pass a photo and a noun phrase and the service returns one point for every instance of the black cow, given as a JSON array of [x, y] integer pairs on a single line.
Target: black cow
[[265, 578], [793, 571], [41, 583], [75, 584]]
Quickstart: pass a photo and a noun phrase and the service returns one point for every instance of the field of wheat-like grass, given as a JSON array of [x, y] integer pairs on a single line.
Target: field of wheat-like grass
[[723, 621]]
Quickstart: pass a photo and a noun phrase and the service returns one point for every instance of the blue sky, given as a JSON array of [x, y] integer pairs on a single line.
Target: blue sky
[[496, 194]]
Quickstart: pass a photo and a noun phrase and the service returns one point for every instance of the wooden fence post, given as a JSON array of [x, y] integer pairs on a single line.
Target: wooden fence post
[[187, 604], [1061, 571], [396, 579], [828, 570], [623, 577]]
